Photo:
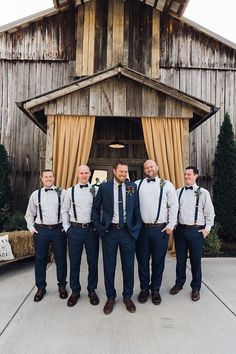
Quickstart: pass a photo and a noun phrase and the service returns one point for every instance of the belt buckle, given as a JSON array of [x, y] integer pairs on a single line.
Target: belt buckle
[[119, 227], [50, 227], [84, 226]]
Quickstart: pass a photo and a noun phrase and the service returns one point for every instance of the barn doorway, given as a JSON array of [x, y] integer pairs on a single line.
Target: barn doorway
[[129, 131]]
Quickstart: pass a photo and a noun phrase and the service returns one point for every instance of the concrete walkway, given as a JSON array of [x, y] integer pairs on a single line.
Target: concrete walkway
[[178, 325]]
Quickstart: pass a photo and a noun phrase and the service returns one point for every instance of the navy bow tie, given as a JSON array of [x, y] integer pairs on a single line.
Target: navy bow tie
[[151, 180], [48, 189], [188, 187], [83, 185]]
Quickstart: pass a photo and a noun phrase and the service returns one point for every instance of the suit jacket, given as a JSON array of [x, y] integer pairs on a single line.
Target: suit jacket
[[104, 201]]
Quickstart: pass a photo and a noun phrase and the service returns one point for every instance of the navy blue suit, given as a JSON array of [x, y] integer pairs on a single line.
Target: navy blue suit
[[113, 237]]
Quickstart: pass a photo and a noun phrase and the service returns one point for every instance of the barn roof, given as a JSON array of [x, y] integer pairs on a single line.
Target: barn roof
[[34, 107]]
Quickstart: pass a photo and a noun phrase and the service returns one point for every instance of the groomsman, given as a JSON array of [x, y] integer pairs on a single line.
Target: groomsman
[[159, 206], [43, 217], [195, 219], [76, 217], [119, 227]]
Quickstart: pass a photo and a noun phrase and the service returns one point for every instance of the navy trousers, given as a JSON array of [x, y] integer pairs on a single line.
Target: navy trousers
[[188, 239], [58, 241], [151, 244], [113, 239], [79, 237]]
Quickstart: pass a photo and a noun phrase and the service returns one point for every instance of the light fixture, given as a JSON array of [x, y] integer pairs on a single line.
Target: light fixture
[[116, 144]]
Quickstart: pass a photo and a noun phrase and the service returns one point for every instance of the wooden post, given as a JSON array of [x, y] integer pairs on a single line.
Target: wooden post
[[49, 142]]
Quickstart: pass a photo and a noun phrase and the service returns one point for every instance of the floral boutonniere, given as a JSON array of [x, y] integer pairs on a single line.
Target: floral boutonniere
[[92, 191], [162, 183], [130, 190], [58, 190], [197, 193]]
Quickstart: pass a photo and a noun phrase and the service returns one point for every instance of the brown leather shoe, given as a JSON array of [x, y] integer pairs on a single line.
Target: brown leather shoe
[[143, 296], [108, 308], [94, 300], [63, 294], [176, 288], [195, 296], [40, 294], [130, 306], [73, 299], [156, 297]]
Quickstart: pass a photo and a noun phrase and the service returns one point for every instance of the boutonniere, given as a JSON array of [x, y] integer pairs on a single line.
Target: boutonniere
[[92, 191], [162, 183], [58, 190], [197, 193], [130, 190]]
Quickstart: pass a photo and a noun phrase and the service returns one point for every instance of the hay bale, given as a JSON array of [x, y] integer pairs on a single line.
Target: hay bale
[[22, 243]]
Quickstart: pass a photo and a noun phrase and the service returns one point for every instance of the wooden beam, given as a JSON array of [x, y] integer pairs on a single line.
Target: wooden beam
[[49, 142]]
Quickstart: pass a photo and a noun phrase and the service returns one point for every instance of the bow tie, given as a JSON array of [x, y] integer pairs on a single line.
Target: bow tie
[[151, 180], [48, 189], [83, 185], [188, 187]]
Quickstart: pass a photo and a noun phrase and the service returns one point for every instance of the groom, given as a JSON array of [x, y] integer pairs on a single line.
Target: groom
[[120, 224]]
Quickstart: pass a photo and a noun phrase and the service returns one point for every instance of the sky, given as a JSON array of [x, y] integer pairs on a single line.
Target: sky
[[216, 16]]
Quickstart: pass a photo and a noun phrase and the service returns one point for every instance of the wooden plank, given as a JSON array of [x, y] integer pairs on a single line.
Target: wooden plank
[[49, 141], [155, 51], [107, 98], [119, 97], [88, 37], [118, 32], [95, 100], [79, 41]]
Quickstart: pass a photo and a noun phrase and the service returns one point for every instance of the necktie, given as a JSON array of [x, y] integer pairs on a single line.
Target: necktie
[[188, 187], [120, 205], [151, 180], [83, 185], [48, 189]]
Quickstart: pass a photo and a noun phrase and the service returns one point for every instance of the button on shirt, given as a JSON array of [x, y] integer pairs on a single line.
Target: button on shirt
[[83, 206], [149, 194], [187, 207], [49, 207], [115, 219]]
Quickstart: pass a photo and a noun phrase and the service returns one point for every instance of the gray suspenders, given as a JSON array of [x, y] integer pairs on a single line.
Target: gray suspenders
[[40, 208], [160, 198], [196, 206]]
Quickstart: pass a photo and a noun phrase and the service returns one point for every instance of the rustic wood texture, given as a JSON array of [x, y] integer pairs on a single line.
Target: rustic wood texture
[[122, 97]]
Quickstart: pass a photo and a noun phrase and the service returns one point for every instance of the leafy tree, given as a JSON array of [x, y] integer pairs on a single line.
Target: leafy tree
[[5, 189], [224, 188]]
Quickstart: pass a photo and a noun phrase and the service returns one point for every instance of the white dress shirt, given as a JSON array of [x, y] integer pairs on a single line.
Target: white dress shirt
[[49, 207], [187, 207], [83, 205], [115, 218], [149, 194]]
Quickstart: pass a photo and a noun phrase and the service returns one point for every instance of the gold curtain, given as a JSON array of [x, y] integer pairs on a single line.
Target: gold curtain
[[71, 146], [165, 140]]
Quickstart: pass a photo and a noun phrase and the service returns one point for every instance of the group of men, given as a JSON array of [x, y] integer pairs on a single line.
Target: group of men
[[135, 217]]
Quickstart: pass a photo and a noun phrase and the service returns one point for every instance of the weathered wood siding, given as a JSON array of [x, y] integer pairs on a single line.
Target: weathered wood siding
[[121, 97], [201, 66], [33, 60], [111, 31]]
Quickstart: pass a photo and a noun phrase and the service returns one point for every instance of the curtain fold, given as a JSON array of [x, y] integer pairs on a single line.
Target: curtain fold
[[165, 140], [72, 142]]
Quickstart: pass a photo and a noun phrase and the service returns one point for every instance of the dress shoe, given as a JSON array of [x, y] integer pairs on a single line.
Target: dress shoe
[[73, 299], [176, 288], [63, 294], [130, 306], [40, 294], [94, 300], [195, 296], [143, 296], [108, 308], [156, 297]]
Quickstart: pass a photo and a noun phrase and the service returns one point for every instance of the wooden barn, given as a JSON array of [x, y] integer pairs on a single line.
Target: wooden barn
[[87, 73]]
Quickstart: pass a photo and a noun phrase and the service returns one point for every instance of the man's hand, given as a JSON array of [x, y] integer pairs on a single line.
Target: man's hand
[[204, 232], [167, 230], [33, 231]]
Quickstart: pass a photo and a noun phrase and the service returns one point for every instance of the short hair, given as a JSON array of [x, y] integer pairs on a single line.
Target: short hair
[[194, 168], [47, 170], [119, 162]]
